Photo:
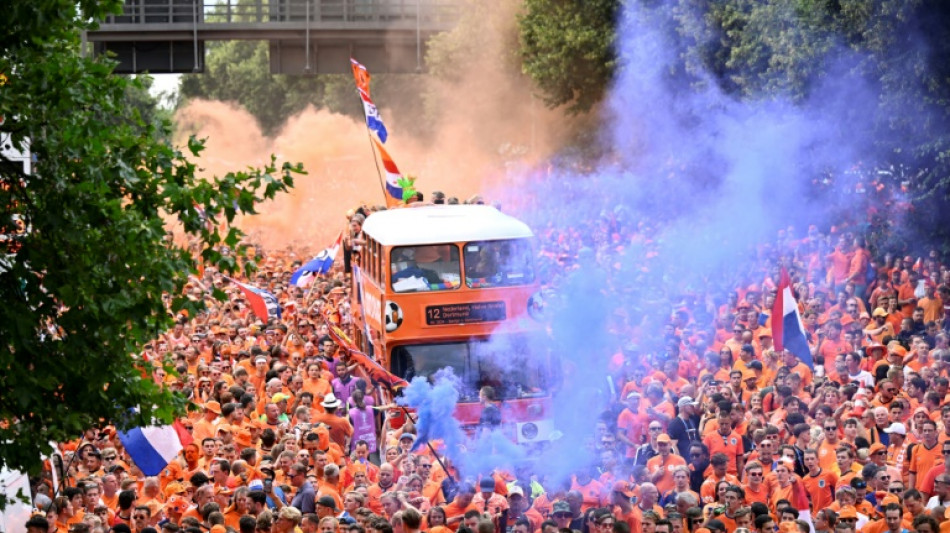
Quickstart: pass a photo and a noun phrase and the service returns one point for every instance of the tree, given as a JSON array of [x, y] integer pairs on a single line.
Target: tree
[[83, 288], [567, 49]]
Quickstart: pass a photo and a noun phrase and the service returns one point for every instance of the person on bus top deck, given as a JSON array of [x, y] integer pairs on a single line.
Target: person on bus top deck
[[413, 270], [491, 414]]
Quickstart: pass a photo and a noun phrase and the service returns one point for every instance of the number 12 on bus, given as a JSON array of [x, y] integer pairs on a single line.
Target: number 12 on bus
[[454, 287]]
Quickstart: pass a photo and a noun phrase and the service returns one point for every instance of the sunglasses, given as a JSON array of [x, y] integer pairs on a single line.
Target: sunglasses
[[895, 491]]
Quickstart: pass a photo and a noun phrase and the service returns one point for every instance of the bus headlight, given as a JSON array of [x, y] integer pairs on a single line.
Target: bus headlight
[[393, 316], [529, 431]]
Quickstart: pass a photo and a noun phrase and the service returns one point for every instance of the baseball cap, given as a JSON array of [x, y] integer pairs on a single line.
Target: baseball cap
[[847, 512], [327, 501], [560, 507], [213, 406], [896, 427], [685, 400], [890, 498], [663, 438], [279, 397], [876, 447], [487, 484], [515, 491]]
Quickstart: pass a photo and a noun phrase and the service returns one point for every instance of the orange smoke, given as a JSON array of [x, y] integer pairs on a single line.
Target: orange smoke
[[485, 123]]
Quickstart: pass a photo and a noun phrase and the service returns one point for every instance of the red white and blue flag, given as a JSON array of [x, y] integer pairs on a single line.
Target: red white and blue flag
[[788, 331], [374, 121], [392, 176], [263, 303], [153, 447], [318, 266]]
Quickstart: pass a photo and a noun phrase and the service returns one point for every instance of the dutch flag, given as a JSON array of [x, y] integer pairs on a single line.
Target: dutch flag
[[392, 176], [319, 265], [263, 303], [153, 447], [374, 121], [788, 331]]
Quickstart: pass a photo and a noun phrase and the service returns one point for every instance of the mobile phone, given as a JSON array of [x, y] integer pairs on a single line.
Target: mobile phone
[[268, 485]]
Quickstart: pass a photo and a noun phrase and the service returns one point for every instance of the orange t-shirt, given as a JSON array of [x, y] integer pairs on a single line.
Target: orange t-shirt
[[731, 445], [665, 482], [592, 492], [633, 425], [923, 460], [453, 510], [820, 488]]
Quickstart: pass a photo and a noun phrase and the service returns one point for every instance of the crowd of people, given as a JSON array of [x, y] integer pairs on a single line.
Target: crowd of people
[[716, 432]]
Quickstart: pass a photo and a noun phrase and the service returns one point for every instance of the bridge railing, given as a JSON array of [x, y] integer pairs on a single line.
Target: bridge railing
[[212, 12]]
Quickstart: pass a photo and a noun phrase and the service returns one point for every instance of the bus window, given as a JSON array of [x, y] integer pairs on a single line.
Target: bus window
[[499, 263], [433, 267], [505, 364]]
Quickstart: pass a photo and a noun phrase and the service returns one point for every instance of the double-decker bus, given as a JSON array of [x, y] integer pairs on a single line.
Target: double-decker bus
[[454, 287]]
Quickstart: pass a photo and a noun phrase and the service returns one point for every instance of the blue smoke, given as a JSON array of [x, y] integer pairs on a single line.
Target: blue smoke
[[685, 207]]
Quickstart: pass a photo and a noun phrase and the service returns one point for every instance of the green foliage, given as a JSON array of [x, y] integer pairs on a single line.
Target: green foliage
[[567, 49], [85, 288], [239, 72]]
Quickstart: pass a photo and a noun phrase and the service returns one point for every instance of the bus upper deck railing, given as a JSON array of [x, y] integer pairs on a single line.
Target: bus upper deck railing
[[284, 12]]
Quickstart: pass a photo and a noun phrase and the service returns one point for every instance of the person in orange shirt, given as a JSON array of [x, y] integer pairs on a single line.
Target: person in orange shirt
[[925, 455], [717, 473], [756, 489], [906, 298], [456, 509], [725, 440], [207, 426], [630, 424], [592, 491], [660, 468], [797, 367], [819, 483]]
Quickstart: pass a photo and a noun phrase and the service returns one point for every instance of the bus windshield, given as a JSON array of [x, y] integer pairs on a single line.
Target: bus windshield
[[431, 267], [504, 362], [499, 263]]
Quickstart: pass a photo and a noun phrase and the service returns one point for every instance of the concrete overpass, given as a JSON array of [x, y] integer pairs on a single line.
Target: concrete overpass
[[305, 36]]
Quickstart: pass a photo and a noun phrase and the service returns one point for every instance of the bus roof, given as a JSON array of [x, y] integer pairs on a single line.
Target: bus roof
[[437, 224]]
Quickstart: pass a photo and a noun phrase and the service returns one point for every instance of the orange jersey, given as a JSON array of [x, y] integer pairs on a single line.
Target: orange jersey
[[731, 445], [664, 483], [820, 488]]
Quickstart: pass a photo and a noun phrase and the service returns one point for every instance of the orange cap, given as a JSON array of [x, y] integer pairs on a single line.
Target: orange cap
[[848, 511]]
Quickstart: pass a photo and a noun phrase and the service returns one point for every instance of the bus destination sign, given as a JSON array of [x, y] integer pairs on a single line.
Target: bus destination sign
[[469, 313]]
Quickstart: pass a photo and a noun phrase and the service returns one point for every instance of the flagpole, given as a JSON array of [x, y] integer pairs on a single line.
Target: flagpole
[[369, 137]]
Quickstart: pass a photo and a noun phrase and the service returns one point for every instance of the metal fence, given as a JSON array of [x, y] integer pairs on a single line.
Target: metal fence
[[284, 11]]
